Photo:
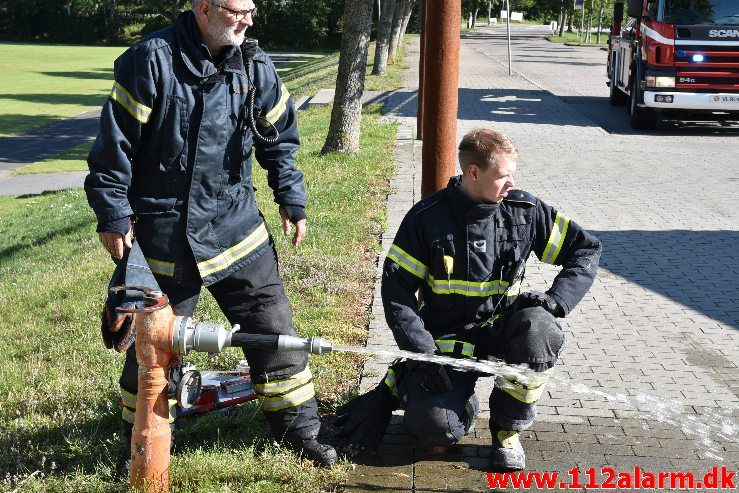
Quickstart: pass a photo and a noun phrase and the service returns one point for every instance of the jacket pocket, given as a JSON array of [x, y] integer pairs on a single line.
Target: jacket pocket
[[147, 206], [512, 238], [174, 135]]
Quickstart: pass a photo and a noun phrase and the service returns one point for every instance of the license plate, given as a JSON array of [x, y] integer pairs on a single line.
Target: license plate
[[724, 99]]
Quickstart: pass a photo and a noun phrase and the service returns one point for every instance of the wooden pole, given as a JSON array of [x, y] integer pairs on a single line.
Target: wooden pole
[[440, 94]]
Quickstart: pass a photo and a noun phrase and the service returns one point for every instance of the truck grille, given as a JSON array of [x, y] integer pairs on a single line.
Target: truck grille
[[719, 69]]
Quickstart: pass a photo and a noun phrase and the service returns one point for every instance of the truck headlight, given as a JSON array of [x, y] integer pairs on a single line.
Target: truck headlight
[[660, 81]]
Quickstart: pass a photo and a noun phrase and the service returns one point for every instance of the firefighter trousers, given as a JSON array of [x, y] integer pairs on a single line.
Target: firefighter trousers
[[254, 298], [530, 336]]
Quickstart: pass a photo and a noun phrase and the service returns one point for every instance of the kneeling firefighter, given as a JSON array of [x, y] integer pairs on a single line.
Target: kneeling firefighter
[[464, 248], [172, 164]]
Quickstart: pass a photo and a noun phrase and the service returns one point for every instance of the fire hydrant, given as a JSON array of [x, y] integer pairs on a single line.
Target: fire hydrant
[[161, 337]]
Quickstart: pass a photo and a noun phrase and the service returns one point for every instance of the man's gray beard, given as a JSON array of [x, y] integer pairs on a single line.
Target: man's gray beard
[[223, 35]]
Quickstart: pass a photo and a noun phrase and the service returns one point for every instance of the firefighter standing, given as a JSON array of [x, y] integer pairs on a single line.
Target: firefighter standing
[[173, 158], [459, 248]]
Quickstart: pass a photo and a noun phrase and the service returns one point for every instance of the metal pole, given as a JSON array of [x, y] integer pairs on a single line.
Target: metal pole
[[508, 29], [440, 94], [490, 11], [424, 6], [379, 13]]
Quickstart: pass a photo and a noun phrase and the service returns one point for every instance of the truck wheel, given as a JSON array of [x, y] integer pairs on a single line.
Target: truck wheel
[[640, 118], [615, 95]]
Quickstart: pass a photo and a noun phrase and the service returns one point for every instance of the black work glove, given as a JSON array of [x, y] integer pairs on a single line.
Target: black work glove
[[537, 298], [295, 213], [434, 378], [363, 420]]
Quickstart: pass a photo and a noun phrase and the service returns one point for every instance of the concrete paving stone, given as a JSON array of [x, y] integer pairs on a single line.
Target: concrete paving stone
[[360, 482], [572, 438], [660, 452]]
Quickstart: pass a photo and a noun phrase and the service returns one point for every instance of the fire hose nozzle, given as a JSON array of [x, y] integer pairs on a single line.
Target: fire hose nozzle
[[189, 335], [313, 345]]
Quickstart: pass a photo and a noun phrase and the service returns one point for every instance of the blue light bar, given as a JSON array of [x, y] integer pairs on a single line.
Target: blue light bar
[[680, 53], [698, 58]]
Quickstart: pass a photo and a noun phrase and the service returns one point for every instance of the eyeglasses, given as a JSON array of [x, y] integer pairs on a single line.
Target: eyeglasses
[[237, 14]]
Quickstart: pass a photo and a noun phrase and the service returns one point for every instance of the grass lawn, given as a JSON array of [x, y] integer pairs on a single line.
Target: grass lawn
[[41, 84], [304, 74], [58, 384], [572, 39]]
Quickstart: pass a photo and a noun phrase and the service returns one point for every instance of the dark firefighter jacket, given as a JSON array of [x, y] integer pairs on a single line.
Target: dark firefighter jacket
[[459, 254], [174, 150]]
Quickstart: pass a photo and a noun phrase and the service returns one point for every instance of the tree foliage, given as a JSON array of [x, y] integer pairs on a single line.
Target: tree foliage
[[280, 23]]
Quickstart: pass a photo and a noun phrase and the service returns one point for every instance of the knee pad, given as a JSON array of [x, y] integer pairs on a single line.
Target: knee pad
[[534, 337], [432, 424]]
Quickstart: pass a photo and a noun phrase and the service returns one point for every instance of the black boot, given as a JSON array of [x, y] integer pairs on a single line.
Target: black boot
[[507, 453], [321, 454]]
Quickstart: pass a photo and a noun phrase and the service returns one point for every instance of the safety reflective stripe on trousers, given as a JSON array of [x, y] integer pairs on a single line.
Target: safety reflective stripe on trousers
[[391, 381], [556, 238], [288, 392], [527, 393], [406, 261], [161, 267], [128, 399], [446, 346], [128, 407], [222, 261], [123, 97], [276, 112]]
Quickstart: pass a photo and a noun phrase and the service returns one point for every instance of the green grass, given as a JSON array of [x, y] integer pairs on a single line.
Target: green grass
[[58, 384], [74, 159], [42, 84], [572, 39]]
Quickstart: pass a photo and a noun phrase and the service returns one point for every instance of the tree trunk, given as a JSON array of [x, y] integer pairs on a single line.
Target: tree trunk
[[406, 20], [563, 23], [396, 27], [600, 20], [590, 23], [346, 115], [383, 38]]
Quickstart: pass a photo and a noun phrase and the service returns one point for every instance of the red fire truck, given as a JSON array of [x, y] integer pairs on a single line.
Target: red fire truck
[[676, 57]]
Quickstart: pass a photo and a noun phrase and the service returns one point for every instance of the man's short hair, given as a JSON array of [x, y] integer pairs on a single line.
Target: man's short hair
[[482, 146]]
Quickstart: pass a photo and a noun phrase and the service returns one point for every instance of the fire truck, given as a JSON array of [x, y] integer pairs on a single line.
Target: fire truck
[[679, 58]]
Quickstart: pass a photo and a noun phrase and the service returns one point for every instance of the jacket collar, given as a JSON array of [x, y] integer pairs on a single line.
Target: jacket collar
[[195, 54], [465, 206]]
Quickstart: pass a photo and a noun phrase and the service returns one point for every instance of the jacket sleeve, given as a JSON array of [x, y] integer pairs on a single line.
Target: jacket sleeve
[[405, 268], [278, 112], [122, 120], [561, 241]]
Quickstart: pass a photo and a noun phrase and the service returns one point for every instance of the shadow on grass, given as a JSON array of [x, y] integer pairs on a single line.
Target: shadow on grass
[[100, 74], [96, 446], [77, 99], [17, 123]]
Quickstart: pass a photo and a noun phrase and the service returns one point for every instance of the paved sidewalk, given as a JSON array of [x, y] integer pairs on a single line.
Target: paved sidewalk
[[649, 375]]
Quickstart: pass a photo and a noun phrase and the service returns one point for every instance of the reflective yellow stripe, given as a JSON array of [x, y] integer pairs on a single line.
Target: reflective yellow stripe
[[257, 238], [127, 415], [283, 385], [556, 238], [508, 438], [276, 112], [527, 393], [137, 110], [161, 267], [472, 288], [391, 381], [128, 399], [447, 346], [406, 261], [291, 399]]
